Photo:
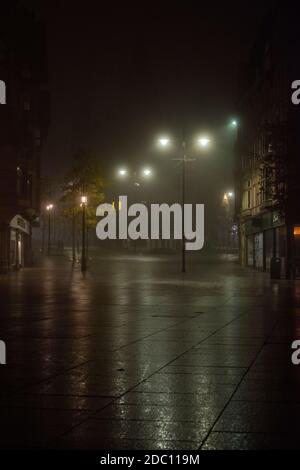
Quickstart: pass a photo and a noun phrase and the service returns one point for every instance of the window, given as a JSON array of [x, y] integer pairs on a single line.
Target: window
[[249, 195], [296, 231], [246, 203], [266, 183]]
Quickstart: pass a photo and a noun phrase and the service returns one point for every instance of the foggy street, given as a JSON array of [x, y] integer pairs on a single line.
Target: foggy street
[[149, 231], [134, 355]]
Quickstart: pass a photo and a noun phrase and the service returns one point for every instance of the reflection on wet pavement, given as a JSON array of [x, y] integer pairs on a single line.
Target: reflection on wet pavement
[[136, 356]]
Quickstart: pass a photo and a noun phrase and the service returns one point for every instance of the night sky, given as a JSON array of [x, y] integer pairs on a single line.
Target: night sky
[[122, 74]]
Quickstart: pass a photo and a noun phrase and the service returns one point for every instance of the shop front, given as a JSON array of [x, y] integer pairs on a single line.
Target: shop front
[[19, 241], [265, 238]]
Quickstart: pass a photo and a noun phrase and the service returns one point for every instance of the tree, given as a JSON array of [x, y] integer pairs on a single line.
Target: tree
[[273, 169], [85, 178]]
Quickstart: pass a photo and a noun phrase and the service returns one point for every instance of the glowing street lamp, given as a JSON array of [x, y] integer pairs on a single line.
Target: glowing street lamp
[[83, 246], [164, 142], [147, 172], [229, 215], [226, 198], [234, 125], [123, 172], [228, 195], [204, 141]]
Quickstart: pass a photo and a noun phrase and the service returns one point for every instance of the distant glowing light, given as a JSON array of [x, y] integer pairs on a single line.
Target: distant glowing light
[[296, 231], [164, 141], [122, 172], [204, 141], [234, 123], [83, 200], [49, 207], [119, 205], [227, 196], [147, 172]]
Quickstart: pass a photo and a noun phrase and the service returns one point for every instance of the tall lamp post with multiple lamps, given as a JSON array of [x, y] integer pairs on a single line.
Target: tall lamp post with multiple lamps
[[135, 177], [165, 142], [145, 173]]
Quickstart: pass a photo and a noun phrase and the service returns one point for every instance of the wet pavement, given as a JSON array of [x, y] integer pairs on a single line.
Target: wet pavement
[[136, 355]]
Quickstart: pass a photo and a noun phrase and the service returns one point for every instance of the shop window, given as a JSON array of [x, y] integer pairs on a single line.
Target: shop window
[[297, 241], [297, 231]]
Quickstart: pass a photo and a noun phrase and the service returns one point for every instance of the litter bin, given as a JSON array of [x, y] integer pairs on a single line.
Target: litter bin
[[275, 268]]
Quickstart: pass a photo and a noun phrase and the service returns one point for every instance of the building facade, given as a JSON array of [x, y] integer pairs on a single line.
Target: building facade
[[23, 128], [267, 176]]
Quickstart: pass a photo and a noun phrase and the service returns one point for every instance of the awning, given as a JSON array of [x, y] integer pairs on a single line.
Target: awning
[[18, 222]]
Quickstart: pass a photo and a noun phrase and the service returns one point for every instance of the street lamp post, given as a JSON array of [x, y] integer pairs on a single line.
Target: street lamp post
[[227, 198], [135, 181], [203, 142], [49, 209], [234, 124], [134, 177], [83, 246], [183, 267], [43, 235]]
